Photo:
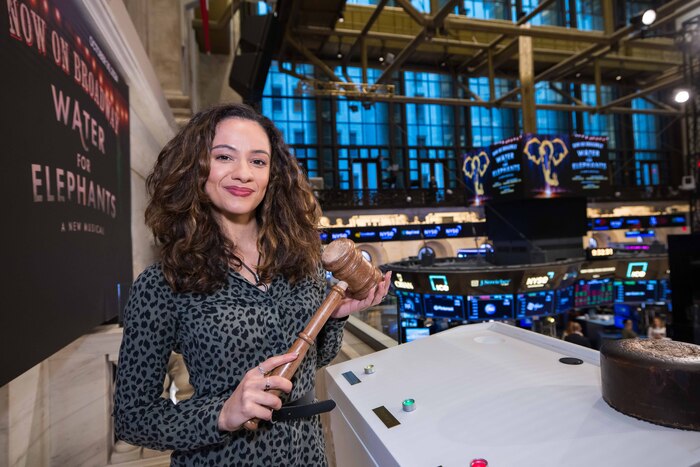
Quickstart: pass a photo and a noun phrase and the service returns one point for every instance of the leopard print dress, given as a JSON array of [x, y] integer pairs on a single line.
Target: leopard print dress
[[221, 336]]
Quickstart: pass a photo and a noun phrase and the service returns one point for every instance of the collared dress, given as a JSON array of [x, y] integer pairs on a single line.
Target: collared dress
[[221, 336]]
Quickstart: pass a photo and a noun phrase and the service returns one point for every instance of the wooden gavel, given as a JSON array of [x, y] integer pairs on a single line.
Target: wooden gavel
[[356, 275]]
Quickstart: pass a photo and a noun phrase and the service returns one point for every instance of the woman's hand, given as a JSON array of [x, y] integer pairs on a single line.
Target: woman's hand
[[375, 297], [251, 398]]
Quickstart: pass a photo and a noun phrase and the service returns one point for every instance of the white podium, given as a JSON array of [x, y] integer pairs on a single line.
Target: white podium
[[490, 391]]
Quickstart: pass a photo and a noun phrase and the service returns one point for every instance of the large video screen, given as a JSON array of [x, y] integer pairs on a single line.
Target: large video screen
[[593, 292], [535, 304], [636, 291], [444, 306], [487, 307], [65, 181]]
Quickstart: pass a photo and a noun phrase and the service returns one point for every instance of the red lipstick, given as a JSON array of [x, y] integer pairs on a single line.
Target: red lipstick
[[239, 191]]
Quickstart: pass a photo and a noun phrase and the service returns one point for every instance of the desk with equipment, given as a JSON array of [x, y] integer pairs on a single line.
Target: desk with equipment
[[490, 391]]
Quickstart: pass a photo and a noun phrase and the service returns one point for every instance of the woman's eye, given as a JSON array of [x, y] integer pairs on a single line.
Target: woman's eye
[[221, 157], [259, 162]]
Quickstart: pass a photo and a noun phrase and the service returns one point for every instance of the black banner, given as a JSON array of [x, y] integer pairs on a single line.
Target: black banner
[[66, 250]]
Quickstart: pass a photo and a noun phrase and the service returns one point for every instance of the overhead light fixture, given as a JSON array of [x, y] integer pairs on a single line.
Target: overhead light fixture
[[648, 17], [341, 18], [681, 95], [618, 77]]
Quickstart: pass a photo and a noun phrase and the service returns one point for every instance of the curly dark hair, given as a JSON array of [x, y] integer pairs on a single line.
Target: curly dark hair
[[195, 254]]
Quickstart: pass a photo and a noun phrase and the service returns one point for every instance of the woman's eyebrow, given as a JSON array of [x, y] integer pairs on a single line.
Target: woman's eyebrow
[[224, 146]]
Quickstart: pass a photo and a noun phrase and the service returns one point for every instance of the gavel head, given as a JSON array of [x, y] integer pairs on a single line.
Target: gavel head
[[348, 265]]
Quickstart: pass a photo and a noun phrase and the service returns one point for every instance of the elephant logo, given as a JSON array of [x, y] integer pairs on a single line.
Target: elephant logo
[[547, 154], [474, 168]]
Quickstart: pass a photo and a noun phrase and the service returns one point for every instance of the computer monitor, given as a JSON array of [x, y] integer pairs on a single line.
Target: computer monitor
[[444, 306], [593, 292], [539, 303], [409, 304], [636, 291], [565, 299], [412, 334], [490, 307]]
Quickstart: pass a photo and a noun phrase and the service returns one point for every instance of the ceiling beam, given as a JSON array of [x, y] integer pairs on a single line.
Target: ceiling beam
[[360, 38], [669, 8], [541, 6], [427, 32]]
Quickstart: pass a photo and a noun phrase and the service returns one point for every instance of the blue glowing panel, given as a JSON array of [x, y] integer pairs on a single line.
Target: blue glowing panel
[[487, 307], [535, 304], [444, 306]]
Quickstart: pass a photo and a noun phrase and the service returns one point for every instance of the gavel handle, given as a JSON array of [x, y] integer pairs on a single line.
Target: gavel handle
[[306, 339]]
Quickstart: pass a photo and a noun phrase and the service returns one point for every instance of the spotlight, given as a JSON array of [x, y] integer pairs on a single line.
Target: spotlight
[[339, 55], [648, 17], [381, 59], [681, 95], [618, 77], [341, 18]]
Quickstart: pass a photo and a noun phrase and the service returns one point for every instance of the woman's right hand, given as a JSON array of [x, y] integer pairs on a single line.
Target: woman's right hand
[[251, 398]]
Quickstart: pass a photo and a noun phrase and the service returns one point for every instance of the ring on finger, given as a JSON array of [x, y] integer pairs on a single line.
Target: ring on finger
[[262, 370], [267, 384]]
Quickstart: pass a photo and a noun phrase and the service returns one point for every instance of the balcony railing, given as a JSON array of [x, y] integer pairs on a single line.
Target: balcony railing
[[336, 199]]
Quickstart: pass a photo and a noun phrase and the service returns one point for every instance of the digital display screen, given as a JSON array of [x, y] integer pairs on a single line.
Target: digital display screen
[[409, 304], [506, 167], [565, 299], [486, 307], [476, 170], [594, 292], [624, 310], [535, 304], [444, 306], [589, 164], [665, 290], [636, 291], [412, 334]]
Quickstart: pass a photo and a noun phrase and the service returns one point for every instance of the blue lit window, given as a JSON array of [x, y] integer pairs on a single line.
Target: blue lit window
[[293, 113], [649, 168], [550, 16], [490, 124], [598, 124], [550, 122], [485, 9], [589, 15]]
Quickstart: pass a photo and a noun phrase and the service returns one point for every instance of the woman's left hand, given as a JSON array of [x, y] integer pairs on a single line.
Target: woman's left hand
[[375, 297]]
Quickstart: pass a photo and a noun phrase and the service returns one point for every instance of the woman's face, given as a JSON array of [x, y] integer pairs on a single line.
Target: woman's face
[[239, 168]]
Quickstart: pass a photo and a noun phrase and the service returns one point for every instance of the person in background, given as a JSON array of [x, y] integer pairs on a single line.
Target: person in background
[[627, 330], [576, 335], [240, 275], [657, 330]]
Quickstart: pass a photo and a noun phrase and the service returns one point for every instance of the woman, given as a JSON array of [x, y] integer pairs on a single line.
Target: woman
[[657, 330], [239, 277]]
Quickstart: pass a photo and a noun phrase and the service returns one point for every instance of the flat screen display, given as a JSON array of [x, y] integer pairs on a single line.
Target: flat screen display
[[593, 292], [535, 304], [413, 334], [665, 290], [444, 306], [636, 291], [487, 307], [565, 299], [409, 304]]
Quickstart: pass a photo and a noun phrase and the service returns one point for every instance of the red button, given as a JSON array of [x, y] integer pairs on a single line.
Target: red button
[[479, 463]]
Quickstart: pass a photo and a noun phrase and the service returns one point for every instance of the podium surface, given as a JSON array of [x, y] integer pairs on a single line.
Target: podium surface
[[490, 391]]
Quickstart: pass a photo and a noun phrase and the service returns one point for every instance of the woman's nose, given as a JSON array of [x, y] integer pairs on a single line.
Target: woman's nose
[[241, 171]]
